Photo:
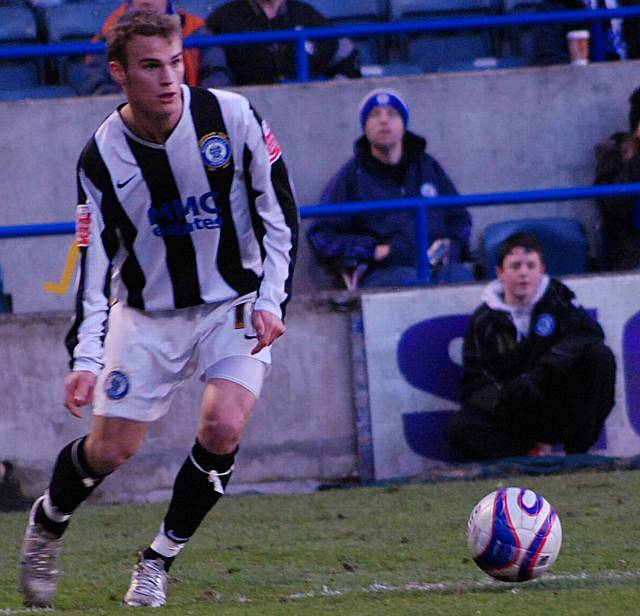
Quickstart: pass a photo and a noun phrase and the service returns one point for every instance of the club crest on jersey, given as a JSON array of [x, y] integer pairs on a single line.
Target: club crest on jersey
[[428, 190], [83, 225], [545, 325], [216, 151], [273, 147], [116, 385]]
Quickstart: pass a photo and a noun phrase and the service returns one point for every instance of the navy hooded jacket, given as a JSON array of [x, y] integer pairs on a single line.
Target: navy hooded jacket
[[352, 238]]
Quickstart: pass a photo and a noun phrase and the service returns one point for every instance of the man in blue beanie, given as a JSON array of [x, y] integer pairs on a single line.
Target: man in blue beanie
[[389, 162]]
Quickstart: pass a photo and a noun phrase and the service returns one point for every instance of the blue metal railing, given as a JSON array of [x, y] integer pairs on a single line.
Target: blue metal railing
[[301, 36], [420, 205]]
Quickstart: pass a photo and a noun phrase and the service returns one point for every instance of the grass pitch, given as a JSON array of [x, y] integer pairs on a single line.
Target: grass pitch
[[396, 550]]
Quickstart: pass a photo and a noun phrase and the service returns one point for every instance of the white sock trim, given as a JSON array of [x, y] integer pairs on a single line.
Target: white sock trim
[[51, 511], [165, 546], [214, 476]]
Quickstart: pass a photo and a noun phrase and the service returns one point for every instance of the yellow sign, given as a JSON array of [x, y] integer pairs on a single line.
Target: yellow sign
[[61, 288]]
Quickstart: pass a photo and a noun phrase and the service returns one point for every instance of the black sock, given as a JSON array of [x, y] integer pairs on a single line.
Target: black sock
[[151, 554], [195, 491], [72, 482]]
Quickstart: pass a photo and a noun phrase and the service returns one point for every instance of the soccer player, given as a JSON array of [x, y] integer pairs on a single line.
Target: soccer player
[[188, 230]]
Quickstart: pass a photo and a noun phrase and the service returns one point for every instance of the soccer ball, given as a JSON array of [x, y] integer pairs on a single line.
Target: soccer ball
[[514, 534]]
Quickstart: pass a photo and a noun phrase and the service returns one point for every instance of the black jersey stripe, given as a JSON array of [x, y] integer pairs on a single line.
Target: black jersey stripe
[[115, 220], [181, 255], [207, 119]]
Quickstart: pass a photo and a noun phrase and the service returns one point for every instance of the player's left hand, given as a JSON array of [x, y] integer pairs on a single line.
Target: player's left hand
[[268, 328]]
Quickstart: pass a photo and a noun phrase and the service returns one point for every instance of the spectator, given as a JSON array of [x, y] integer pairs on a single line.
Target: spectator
[[389, 162], [622, 36], [618, 161], [535, 367], [276, 62], [11, 495], [202, 67]]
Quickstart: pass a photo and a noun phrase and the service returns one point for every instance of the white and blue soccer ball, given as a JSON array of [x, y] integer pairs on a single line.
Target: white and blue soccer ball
[[514, 534]]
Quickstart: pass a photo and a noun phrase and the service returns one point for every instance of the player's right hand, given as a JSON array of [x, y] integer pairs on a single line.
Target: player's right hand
[[78, 391]]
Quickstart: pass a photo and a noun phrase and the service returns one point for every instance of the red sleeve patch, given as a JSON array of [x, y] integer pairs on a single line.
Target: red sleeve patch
[[273, 147], [83, 225]]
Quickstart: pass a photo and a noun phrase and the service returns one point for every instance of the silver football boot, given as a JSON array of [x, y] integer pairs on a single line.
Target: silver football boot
[[39, 557], [148, 586]]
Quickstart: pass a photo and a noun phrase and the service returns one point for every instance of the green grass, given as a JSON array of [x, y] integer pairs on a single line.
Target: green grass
[[396, 550]]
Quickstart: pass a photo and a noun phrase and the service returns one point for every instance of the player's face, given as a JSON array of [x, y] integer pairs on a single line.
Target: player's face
[[384, 127], [521, 274], [156, 6], [153, 76]]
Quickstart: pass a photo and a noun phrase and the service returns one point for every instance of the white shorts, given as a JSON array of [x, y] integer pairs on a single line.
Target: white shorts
[[147, 355]]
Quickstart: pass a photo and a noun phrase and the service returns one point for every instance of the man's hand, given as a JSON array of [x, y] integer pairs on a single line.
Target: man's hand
[[78, 391], [381, 252], [631, 146], [268, 328]]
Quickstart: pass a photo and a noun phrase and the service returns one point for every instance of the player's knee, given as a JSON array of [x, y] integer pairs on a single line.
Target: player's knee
[[221, 434], [106, 457]]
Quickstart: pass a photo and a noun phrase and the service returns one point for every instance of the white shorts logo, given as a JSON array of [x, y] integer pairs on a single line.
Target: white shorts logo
[[116, 385]]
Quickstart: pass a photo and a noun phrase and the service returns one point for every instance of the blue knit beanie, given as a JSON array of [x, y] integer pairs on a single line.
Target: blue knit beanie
[[171, 9], [383, 97]]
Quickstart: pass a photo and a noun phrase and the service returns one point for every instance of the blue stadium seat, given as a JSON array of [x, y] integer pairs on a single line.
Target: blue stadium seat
[[74, 22], [401, 9], [520, 41], [37, 92], [354, 12], [563, 240], [391, 69], [341, 10], [14, 75], [201, 8], [484, 64], [18, 27], [431, 50], [510, 5]]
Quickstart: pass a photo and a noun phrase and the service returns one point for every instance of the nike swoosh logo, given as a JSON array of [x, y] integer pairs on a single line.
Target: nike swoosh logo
[[123, 184]]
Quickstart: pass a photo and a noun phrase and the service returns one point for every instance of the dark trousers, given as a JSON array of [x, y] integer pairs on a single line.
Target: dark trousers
[[572, 413]]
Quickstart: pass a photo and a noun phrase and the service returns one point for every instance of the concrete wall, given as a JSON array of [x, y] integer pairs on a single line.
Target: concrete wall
[[303, 430], [492, 131]]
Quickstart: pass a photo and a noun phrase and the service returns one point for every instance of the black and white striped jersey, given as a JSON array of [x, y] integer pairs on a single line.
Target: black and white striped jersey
[[208, 216]]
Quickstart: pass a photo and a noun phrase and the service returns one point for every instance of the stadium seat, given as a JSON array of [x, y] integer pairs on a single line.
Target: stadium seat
[[510, 5], [484, 64], [401, 9], [18, 27], [520, 41], [37, 92], [15, 75], [563, 240], [74, 22], [354, 12], [391, 69], [431, 50], [201, 8]]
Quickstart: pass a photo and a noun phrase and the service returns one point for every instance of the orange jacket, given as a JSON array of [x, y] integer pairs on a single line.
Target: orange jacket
[[190, 24]]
